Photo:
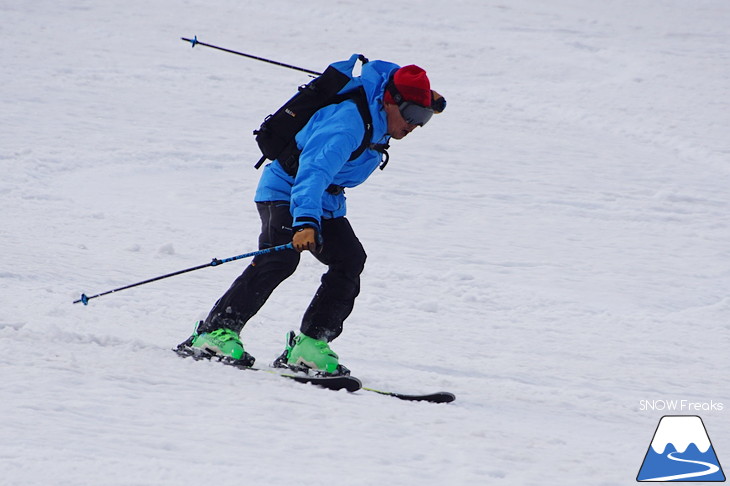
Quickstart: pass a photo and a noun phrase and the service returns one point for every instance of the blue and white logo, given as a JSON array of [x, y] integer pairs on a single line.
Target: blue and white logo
[[681, 451]]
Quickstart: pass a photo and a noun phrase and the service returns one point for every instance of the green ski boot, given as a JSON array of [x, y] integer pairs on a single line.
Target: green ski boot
[[304, 353], [222, 343]]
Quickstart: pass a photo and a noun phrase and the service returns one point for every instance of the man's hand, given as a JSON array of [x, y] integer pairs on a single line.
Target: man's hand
[[305, 239]]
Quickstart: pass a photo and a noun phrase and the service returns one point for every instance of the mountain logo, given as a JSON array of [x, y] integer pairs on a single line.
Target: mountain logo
[[681, 451]]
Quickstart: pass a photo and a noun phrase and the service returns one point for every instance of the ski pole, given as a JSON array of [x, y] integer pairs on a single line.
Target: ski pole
[[194, 41], [214, 263]]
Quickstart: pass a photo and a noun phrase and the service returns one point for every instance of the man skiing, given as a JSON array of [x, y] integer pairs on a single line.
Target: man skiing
[[305, 205]]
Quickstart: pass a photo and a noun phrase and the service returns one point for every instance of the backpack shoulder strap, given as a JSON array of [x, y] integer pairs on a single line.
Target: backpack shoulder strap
[[361, 101]]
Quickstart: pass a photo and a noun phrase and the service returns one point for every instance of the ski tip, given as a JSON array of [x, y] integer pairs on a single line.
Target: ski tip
[[438, 397], [445, 397]]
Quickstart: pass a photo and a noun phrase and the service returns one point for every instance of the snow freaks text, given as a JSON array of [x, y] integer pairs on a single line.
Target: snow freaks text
[[680, 406]]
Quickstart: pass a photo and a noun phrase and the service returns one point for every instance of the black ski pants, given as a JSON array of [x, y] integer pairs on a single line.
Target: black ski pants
[[342, 252]]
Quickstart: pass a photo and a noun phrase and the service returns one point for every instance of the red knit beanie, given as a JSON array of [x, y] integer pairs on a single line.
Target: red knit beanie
[[412, 84]]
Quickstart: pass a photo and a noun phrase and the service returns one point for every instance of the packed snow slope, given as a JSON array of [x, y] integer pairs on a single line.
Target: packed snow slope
[[554, 248]]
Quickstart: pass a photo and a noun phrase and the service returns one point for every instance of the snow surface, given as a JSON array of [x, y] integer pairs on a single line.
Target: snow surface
[[553, 249]]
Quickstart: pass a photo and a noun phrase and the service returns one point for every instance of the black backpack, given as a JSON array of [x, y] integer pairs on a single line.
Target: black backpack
[[275, 136]]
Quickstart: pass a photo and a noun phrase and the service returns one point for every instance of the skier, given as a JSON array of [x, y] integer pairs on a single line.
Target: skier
[[307, 208]]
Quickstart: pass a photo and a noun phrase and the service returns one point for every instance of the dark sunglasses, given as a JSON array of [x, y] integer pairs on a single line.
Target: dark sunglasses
[[414, 113]]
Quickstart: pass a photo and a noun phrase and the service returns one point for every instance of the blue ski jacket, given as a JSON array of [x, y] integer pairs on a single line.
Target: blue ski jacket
[[327, 141]]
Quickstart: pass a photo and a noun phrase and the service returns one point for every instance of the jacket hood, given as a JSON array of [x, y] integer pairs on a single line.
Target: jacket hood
[[373, 77]]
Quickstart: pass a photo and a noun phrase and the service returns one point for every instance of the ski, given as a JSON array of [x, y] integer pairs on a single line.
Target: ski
[[342, 382], [349, 383], [438, 397]]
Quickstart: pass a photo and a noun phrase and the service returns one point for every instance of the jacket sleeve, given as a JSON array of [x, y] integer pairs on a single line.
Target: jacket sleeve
[[327, 143]]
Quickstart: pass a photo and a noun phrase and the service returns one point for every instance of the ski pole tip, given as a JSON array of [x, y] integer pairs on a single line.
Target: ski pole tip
[[192, 41], [84, 300]]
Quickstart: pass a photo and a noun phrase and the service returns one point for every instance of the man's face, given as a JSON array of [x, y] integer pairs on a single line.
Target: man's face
[[398, 127]]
